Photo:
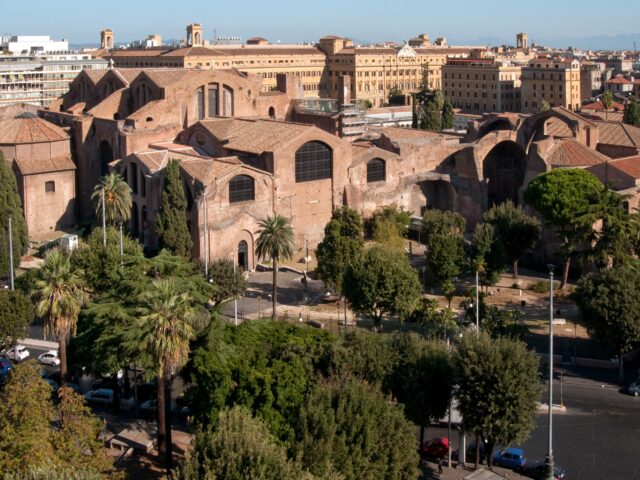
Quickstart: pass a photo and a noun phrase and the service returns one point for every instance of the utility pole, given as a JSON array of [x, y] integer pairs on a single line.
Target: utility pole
[[121, 251], [235, 299], [206, 238], [477, 305], [11, 285], [549, 460], [104, 222]]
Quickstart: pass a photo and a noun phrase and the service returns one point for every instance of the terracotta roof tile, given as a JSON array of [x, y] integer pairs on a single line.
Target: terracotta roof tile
[[559, 129], [164, 77], [614, 133], [410, 135], [628, 165], [620, 81], [254, 136], [570, 153], [615, 106], [30, 129], [95, 75], [32, 167]]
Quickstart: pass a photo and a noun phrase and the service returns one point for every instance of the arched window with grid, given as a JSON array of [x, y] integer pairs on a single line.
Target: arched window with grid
[[376, 170], [241, 189], [313, 162]]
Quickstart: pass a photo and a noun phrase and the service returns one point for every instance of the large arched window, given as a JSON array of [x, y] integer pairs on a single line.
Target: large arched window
[[313, 162], [241, 189], [376, 170]]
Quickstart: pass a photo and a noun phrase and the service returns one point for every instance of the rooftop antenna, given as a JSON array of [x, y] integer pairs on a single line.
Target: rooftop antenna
[[634, 47]]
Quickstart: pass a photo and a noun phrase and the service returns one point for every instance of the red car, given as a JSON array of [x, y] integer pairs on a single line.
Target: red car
[[436, 448]]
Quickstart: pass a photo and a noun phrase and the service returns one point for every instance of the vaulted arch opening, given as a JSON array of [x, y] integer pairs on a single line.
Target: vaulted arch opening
[[503, 169]]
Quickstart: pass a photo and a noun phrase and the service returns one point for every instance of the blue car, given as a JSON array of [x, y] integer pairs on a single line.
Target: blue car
[[5, 368], [509, 458]]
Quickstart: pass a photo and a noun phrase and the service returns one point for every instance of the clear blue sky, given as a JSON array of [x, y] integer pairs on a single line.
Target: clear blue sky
[[553, 21]]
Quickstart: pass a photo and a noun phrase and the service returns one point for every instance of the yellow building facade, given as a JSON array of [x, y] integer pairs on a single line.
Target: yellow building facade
[[555, 81]]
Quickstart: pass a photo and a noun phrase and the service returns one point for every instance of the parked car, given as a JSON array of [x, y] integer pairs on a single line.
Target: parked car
[[21, 355], [509, 458], [435, 448], [5, 368], [634, 388], [150, 407], [538, 471], [49, 358], [102, 396]]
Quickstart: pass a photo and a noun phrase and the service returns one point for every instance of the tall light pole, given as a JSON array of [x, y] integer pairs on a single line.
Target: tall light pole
[[104, 222], [206, 238], [549, 460], [477, 305], [121, 249], [235, 298], [11, 259]]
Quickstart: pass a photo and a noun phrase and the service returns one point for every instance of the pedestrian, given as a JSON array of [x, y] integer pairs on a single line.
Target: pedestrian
[[440, 467]]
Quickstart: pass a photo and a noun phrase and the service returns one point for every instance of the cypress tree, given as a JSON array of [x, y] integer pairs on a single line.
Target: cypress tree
[[632, 113], [171, 227], [10, 204], [447, 115], [432, 117]]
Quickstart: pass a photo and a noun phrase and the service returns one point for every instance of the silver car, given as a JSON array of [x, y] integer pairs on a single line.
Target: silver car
[[634, 389], [102, 396]]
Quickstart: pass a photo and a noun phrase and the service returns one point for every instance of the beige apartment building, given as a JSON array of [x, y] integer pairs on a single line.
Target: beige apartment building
[[479, 85], [375, 71], [556, 81]]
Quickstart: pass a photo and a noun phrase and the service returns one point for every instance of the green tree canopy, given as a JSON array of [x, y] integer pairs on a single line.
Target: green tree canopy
[[498, 389], [448, 115], [609, 301], [439, 222], [431, 118], [240, 447], [560, 197], [342, 244], [171, 227], [632, 112], [37, 437], [517, 231], [117, 199], [16, 313], [351, 428], [101, 266], [228, 282], [380, 283], [488, 253], [10, 204]]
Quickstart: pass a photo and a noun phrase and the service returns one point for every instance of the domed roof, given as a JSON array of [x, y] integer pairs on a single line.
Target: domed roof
[[27, 127]]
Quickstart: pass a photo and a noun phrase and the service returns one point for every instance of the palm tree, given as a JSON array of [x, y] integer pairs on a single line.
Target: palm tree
[[166, 328], [117, 199], [275, 240], [60, 295], [607, 101]]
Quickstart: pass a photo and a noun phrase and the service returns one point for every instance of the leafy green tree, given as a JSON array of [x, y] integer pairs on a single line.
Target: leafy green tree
[[489, 256], [351, 428], [439, 222], [498, 389], [517, 231], [165, 328], [445, 257], [608, 228], [607, 101], [342, 244], [171, 226], [432, 118], [60, 294], [240, 447], [392, 216], [545, 106], [10, 204], [275, 241], [117, 199], [609, 301], [102, 265], [385, 233], [632, 112], [26, 415], [437, 322], [424, 78], [448, 115], [500, 322], [229, 282], [382, 283], [16, 313], [560, 197]]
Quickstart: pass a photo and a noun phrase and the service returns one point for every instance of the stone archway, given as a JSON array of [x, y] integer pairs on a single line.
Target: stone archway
[[243, 255], [503, 170], [440, 195]]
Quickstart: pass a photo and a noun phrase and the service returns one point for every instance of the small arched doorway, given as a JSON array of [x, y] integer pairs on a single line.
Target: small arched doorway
[[243, 255], [272, 112]]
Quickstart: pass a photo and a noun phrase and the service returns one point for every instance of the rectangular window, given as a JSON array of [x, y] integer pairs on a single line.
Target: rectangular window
[[213, 100], [200, 101], [50, 187]]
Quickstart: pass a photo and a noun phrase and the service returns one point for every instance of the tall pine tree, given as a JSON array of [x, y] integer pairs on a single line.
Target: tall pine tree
[[171, 228], [10, 204], [448, 115]]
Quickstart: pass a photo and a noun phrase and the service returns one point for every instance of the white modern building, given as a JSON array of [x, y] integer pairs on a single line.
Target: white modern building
[[33, 44], [39, 79]]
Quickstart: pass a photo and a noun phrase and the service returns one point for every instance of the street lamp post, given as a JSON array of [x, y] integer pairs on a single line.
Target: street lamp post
[[104, 222], [477, 305], [11, 275], [549, 460]]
